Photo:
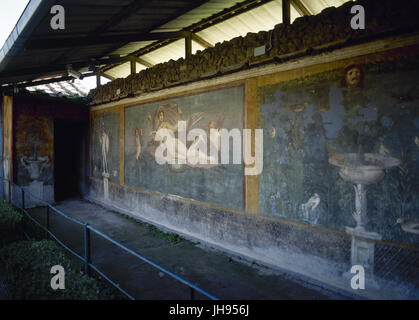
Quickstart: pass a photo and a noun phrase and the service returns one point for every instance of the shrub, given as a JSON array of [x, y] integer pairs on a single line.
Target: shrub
[[28, 265], [10, 223]]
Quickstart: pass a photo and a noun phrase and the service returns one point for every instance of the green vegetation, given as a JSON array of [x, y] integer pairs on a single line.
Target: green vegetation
[[171, 237], [10, 223], [26, 265]]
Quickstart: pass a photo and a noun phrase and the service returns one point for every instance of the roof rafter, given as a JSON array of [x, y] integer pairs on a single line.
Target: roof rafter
[[301, 8], [46, 81], [201, 25]]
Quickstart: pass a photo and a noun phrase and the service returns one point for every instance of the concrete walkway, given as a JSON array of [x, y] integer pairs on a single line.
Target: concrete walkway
[[215, 272]]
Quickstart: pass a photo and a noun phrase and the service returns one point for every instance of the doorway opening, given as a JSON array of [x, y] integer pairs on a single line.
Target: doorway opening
[[70, 137]]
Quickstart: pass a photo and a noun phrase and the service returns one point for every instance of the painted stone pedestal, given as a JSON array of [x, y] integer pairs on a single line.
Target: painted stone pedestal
[[362, 252], [105, 185], [37, 191], [361, 170]]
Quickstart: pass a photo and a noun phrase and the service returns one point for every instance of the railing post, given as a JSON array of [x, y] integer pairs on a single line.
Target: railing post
[[86, 249], [10, 191], [23, 199], [47, 219]]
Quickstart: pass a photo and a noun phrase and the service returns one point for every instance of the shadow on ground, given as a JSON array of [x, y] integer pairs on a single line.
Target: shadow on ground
[[215, 272]]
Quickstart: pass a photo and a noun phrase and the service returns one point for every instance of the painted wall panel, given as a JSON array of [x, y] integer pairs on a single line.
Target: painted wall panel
[[34, 142], [220, 185], [105, 145], [362, 109]]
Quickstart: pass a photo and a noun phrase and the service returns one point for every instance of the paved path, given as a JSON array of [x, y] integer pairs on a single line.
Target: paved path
[[211, 270]]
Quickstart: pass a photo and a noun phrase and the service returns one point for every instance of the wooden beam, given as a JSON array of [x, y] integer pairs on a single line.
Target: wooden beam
[[201, 41], [107, 76], [47, 81], [193, 4], [188, 46], [301, 8], [133, 64], [144, 63], [137, 59], [129, 10], [55, 42], [98, 74], [45, 70], [201, 25], [286, 11]]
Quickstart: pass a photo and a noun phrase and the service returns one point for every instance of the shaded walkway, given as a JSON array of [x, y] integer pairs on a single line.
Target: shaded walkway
[[214, 272]]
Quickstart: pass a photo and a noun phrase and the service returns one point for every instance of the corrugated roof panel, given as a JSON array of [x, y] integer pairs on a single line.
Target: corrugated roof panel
[[63, 88], [315, 7], [262, 18], [174, 50], [207, 9], [123, 70], [131, 47]]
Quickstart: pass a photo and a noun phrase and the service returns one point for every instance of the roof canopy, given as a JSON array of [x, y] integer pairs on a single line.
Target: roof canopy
[[118, 36]]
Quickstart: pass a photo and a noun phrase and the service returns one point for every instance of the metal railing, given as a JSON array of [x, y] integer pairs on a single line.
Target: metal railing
[[87, 229]]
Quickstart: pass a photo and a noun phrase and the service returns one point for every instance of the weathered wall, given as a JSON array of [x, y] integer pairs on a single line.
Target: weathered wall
[[33, 144], [220, 184], [301, 118], [308, 35], [300, 111], [311, 111], [34, 152]]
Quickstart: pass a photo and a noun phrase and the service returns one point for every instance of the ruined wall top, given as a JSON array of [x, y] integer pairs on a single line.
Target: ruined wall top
[[308, 35]]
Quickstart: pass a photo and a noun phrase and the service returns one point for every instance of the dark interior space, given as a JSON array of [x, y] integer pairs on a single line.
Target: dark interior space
[[69, 145]]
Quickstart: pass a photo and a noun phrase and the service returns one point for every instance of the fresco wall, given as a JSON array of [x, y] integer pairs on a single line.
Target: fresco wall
[[34, 155], [33, 142], [320, 131], [310, 123], [105, 145], [216, 184]]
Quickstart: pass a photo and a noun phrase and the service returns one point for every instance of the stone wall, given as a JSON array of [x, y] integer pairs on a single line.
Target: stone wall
[[308, 35], [302, 109], [315, 254], [33, 150]]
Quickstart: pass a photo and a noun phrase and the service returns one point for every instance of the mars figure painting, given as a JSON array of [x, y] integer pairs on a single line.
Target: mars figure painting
[[105, 146], [196, 173]]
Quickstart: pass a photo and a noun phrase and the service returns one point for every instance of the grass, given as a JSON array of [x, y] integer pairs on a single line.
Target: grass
[[26, 264], [171, 237]]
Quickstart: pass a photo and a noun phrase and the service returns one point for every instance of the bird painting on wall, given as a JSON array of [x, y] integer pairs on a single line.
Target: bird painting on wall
[[403, 98], [297, 107], [273, 133], [411, 226], [333, 154], [309, 207], [384, 150]]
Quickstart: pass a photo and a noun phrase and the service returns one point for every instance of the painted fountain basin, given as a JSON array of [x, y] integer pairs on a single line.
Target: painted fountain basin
[[371, 170]]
